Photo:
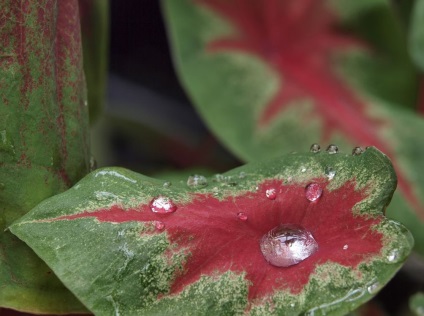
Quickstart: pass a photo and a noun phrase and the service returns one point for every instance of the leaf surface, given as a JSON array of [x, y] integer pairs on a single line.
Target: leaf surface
[[278, 76], [43, 138], [106, 244]]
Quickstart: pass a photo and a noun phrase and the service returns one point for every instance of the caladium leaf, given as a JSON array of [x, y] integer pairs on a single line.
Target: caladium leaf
[[283, 74], [44, 141], [128, 244]]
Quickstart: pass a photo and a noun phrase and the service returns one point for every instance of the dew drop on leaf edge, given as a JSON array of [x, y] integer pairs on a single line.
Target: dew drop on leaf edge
[[315, 148], [332, 149], [313, 192], [197, 181], [287, 245], [162, 204], [357, 151]]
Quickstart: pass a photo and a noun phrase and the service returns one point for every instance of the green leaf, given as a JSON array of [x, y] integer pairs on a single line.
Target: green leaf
[[202, 256], [416, 304], [43, 138], [266, 82], [95, 40], [416, 40]]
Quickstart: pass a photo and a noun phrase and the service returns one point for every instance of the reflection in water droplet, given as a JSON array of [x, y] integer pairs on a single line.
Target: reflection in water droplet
[[162, 204], [332, 149], [357, 151], [373, 288], [287, 244], [159, 225], [242, 216], [313, 191], [315, 148], [345, 247], [330, 173], [167, 184], [197, 181], [271, 194]]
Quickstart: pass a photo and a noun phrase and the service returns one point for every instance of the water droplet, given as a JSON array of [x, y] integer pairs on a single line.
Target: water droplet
[[313, 191], [159, 225], [287, 244], [242, 175], [393, 256], [345, 247], [167, 184], [330, 173], [197, 181], [332, 149], [162, 204], [303, 169], [373, 288], [357, 151], [271, 194], [315, 148], [242, 216]]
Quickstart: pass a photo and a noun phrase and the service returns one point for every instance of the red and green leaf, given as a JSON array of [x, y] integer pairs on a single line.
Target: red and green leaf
[[283, 74], [44, 141], [118, 257]]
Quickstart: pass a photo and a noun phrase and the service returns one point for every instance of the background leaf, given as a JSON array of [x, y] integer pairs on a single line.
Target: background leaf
[[44, 142], [95, 40], [104, 242], [275, 77], [417, 34]]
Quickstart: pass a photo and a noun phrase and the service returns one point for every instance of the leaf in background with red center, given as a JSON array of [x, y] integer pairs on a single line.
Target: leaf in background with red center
[[279, 75], [202, 254], [43, 138]]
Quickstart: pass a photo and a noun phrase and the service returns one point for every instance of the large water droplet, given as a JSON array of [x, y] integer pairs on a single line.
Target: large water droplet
[[332, 149], [271, 194], [287, 244], [313, 191], [197, 181], [162, 204], [242, 216], [357, 151], [330, 173], [315, 148]]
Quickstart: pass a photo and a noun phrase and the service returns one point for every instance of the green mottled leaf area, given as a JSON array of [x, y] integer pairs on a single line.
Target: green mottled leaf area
[[100, 238], [43, 138]]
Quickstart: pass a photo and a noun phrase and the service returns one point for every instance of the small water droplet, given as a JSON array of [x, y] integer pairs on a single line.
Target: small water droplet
[[393, 256], [271, 194], [167, 184], [313, 192], [345, 247], [373, 288], [242, 175], [197, 181], [242, 216], [162, 204], [332, 149], [159, 225], [287, 245], [357, 151], [303, 169], [315, 148], [330, 173]]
